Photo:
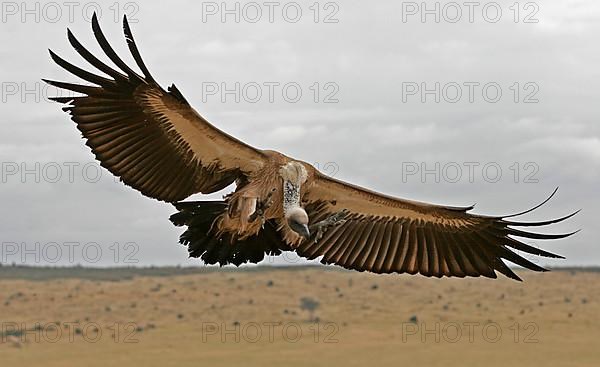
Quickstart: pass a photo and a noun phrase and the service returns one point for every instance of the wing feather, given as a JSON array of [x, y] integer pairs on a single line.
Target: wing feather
[[382, 246], [384, 234], [151, 138]]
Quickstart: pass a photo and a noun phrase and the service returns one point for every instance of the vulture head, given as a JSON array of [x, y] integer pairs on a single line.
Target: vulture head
[[294, 175], [297, 219]]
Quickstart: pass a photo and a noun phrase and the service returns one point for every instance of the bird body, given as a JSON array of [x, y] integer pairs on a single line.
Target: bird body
[[158, 144], [279, 181]]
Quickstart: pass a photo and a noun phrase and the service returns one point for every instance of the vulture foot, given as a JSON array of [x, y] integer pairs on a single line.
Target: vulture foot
[[261, 208], [333, 220]]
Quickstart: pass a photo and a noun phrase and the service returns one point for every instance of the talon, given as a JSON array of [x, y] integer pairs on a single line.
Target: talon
[[261, 208], [258, 213], [333, 220], [269, 199]]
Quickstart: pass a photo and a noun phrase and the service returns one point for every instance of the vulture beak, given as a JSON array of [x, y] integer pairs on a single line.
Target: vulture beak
[[300, 229], [304, 231]]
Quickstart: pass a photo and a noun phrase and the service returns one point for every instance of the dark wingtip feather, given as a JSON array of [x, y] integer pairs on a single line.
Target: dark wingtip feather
[[534, 208], [70, 35], [95, 23], [78, 88], [110, 52], [62, 100], [513, 257], [93, 60], [501, 266], [57, 59], [462, 209], [508, 272], [538, 236], [134, 50], [518, 245], [126, 27], [542, 223], [83, 74]]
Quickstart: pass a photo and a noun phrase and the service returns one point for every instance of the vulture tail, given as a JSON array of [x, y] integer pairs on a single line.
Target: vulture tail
[[202, 241]]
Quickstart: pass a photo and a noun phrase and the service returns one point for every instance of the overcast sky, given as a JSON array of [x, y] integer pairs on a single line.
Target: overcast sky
[[516, 115]]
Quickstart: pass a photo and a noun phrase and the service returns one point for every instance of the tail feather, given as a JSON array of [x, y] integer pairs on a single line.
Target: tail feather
[[203, 242]]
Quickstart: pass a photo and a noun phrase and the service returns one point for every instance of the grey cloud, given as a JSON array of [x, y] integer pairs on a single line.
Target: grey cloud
[[369, 134]]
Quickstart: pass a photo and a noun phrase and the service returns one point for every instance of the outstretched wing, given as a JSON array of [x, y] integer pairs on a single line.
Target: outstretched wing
[[151, 138], [383, 234]]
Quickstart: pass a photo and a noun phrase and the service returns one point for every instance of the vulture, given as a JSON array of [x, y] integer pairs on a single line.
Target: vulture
[[155, 142]]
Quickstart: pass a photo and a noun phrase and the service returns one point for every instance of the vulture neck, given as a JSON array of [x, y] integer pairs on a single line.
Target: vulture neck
[[294, 175], [291, 196]]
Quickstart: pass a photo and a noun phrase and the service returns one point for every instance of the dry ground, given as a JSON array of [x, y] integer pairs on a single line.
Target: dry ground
[[254, 318]]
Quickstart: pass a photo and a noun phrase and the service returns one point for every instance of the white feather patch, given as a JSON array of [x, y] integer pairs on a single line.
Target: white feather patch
[[294, 172]]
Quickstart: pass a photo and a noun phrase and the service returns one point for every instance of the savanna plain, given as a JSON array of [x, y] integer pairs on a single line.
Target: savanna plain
[[294, 316]]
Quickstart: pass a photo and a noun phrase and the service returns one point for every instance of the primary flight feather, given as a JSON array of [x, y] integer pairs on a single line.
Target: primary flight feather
[[158, 144]]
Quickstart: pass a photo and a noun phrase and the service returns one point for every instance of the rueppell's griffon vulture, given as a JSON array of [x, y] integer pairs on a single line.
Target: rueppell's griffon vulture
[[158, 144]]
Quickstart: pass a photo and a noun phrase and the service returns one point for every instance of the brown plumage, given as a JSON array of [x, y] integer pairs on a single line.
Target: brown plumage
[[158, 144]]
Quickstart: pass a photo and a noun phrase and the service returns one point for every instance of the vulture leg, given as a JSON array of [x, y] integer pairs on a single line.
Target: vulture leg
[[321, 227], [261, 208]]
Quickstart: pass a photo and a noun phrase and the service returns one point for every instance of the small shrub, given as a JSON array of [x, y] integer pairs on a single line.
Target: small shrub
[[310, 305]]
